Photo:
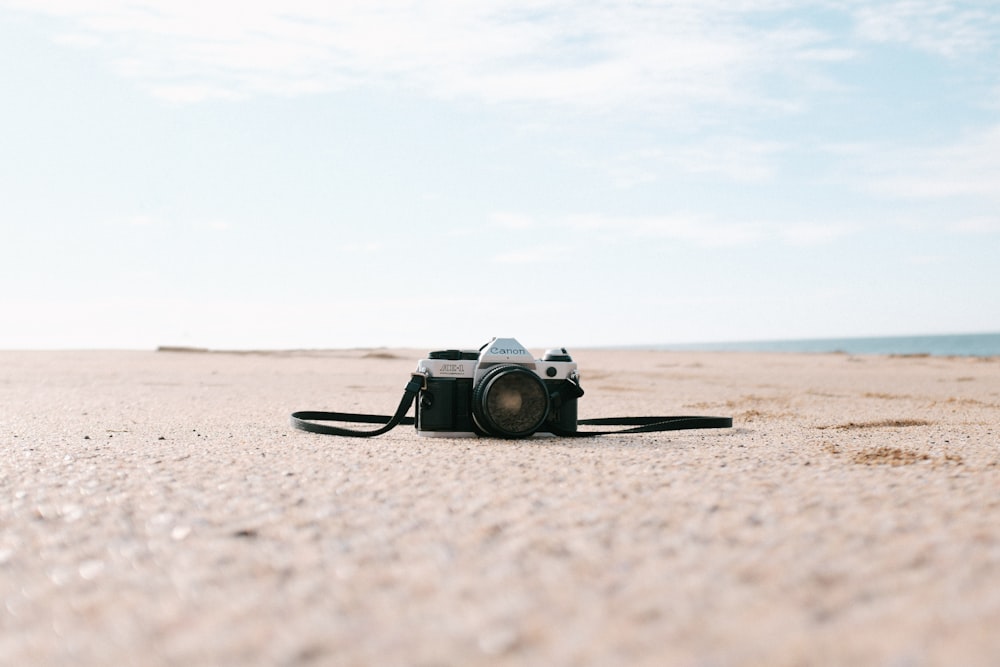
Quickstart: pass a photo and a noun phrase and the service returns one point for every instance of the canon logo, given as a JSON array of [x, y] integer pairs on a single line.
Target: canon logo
[[508, 350]]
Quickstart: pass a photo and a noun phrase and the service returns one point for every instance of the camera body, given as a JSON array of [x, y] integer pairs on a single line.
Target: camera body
[[499, 390]]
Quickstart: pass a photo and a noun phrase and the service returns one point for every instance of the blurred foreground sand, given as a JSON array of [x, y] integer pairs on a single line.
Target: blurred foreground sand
[[156, 509]]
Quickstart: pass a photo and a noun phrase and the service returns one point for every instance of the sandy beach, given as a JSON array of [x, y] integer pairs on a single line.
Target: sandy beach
[[158, 509]]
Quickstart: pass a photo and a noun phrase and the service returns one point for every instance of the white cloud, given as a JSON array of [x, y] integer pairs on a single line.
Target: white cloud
[[685, 228], [591, 55], [529, 256], [734, 158], [83, 40], [737, 159], [154, 222], [978, 225], [189, 93], [360, 248], [941, 28], [703, 55], [219, 225], [512, 220], [928, 260], [143, 220], [814, 233], [968, 167], [705, 231]]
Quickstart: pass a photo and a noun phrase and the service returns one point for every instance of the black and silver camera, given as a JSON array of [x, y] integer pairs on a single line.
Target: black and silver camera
[[499, 390]]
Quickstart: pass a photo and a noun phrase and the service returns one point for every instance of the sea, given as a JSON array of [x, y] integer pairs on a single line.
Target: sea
[[954, 345]]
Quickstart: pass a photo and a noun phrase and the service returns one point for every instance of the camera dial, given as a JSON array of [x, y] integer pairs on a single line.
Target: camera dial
[[557, 354]]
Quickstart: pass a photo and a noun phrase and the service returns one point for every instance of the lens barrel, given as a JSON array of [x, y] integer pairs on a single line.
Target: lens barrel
[[510, 402]]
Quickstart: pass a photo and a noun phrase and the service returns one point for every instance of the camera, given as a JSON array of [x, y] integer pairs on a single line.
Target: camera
[[499, 390]]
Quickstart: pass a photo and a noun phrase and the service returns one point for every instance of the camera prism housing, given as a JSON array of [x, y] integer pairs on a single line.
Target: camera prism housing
[[500, 390]]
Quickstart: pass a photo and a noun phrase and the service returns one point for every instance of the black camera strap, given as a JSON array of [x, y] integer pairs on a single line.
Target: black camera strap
[[306, 420]]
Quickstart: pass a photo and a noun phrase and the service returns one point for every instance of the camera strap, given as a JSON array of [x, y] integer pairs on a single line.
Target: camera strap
[[306, 420]]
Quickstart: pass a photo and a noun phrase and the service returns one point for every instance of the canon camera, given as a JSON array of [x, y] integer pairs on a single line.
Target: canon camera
[[499, 390]]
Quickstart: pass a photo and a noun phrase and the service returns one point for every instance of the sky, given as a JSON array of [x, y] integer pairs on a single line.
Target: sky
[[314, 174]]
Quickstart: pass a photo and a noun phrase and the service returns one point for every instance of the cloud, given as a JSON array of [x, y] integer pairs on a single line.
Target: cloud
[[968, 167], [735, 158], [219, 225], [806, 234], [706, 231], [937, 27], [511, 220], [688, 228], [530, 256], [368, 247], [928, 260], [597, 56], [978, 225], [143, 220], [699, 230], [155, 222], [190, 93]]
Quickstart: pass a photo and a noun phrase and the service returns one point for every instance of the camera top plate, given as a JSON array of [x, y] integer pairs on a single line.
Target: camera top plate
[[505, 350]]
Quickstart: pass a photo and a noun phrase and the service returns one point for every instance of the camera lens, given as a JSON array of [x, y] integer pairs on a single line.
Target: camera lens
[[510, 402]]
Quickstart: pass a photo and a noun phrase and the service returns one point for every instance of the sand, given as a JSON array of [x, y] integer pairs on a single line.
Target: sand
[[157, 509]]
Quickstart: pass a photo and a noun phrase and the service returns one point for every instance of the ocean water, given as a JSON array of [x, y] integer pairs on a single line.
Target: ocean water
[[961, 345]]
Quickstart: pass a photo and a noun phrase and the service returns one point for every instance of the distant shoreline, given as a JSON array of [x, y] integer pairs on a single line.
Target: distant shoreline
[[957, 345], [942, 345], [946, 345]]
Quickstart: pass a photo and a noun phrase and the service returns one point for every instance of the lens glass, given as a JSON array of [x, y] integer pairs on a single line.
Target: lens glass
[[511, 401]]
